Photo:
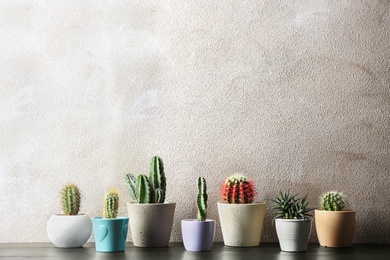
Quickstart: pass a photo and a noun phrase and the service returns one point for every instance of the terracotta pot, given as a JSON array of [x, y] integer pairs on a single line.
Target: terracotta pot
[[198, 235], [335, 228], [241, 224], [151, 224], [293, 234]]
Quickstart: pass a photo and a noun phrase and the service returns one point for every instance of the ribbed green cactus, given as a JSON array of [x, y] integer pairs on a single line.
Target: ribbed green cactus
[[237, 189], [111, 204], [148, 190], [201, 200], [333, 201], [70, 199]]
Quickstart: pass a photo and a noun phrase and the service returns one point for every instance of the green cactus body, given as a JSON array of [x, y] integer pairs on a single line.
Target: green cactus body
[[143, 189], [238, 190], [111, 204], [201, 200], [70, 198], [333, 201], [148, 190], [157, 179]]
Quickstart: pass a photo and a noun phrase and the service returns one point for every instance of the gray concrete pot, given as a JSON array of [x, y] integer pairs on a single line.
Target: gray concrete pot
[[293, 234], [241, 224], [69, 231], [198, 235], [151, 224]]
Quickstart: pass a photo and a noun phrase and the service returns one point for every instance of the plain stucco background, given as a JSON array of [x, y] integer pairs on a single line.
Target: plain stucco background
[[294, 94]]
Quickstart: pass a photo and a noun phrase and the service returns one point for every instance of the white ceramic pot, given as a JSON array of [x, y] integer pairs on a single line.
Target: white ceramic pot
[[198, 235], [151, 224], [293, 234], [69, 231], [241, 224]]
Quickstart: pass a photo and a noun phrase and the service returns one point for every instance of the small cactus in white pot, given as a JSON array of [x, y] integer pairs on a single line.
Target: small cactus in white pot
[[198, 234], [110, 231], [335, 225], [69, 229], [293, 221]]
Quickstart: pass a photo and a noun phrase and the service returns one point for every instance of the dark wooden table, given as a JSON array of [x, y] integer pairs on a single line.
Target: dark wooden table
[[176, 251]]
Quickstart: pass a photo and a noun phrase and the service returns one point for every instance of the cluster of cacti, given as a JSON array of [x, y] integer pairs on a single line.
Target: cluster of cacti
[[201, 199], [70, 199], [111, 204], [333, 200], [237, 189], [289, 207], [148, 190]]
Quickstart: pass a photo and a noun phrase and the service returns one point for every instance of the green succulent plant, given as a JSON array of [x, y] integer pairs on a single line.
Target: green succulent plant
[[332, 201], [152, 189], [288, 206], [201, 199], [70, 199]]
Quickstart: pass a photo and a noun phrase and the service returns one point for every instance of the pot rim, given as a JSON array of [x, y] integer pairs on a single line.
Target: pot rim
[[110, 219], [63, 215], [198, 221], [293, 220], [242, 204], [335, 211], [151, 204]]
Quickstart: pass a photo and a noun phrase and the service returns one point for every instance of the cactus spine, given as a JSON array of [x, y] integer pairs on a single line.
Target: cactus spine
[[111, 204], [238, 190], [201, 200], [333, 201], [70, 198], [150, 189]]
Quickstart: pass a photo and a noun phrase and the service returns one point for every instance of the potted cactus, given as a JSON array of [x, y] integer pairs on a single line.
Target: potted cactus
[[293, 222], [198, 234], [241, 218], [151, 217], [110, 231], [69, 229], [335, 225]]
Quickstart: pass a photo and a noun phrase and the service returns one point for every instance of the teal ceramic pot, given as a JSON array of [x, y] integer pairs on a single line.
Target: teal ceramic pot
[[110, 233]]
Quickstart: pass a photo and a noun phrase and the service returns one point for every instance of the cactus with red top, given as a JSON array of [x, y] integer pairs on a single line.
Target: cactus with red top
[[237, 189]]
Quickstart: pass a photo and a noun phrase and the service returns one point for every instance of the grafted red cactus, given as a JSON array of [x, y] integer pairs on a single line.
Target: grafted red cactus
[[237, 189]]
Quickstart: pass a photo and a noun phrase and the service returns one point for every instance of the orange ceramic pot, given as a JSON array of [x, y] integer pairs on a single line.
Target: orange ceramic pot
[[335, 228]]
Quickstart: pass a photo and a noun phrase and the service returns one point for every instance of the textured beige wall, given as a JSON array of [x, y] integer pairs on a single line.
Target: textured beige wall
[[295, 94]]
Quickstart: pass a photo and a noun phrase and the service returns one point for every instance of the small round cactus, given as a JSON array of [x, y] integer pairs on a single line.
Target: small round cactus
[[111, 203], [70, 199], [333, 201], [237, 189]]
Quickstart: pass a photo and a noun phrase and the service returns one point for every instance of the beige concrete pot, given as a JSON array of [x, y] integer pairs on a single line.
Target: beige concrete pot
[[335, 228], [241, 224], [151, 224]]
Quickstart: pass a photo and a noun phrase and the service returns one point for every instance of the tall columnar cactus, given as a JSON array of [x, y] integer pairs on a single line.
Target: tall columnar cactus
[[333, 201], [237, 189], [111, 204], [150, 189], [70, 198], [157, 179], [201, 200]]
